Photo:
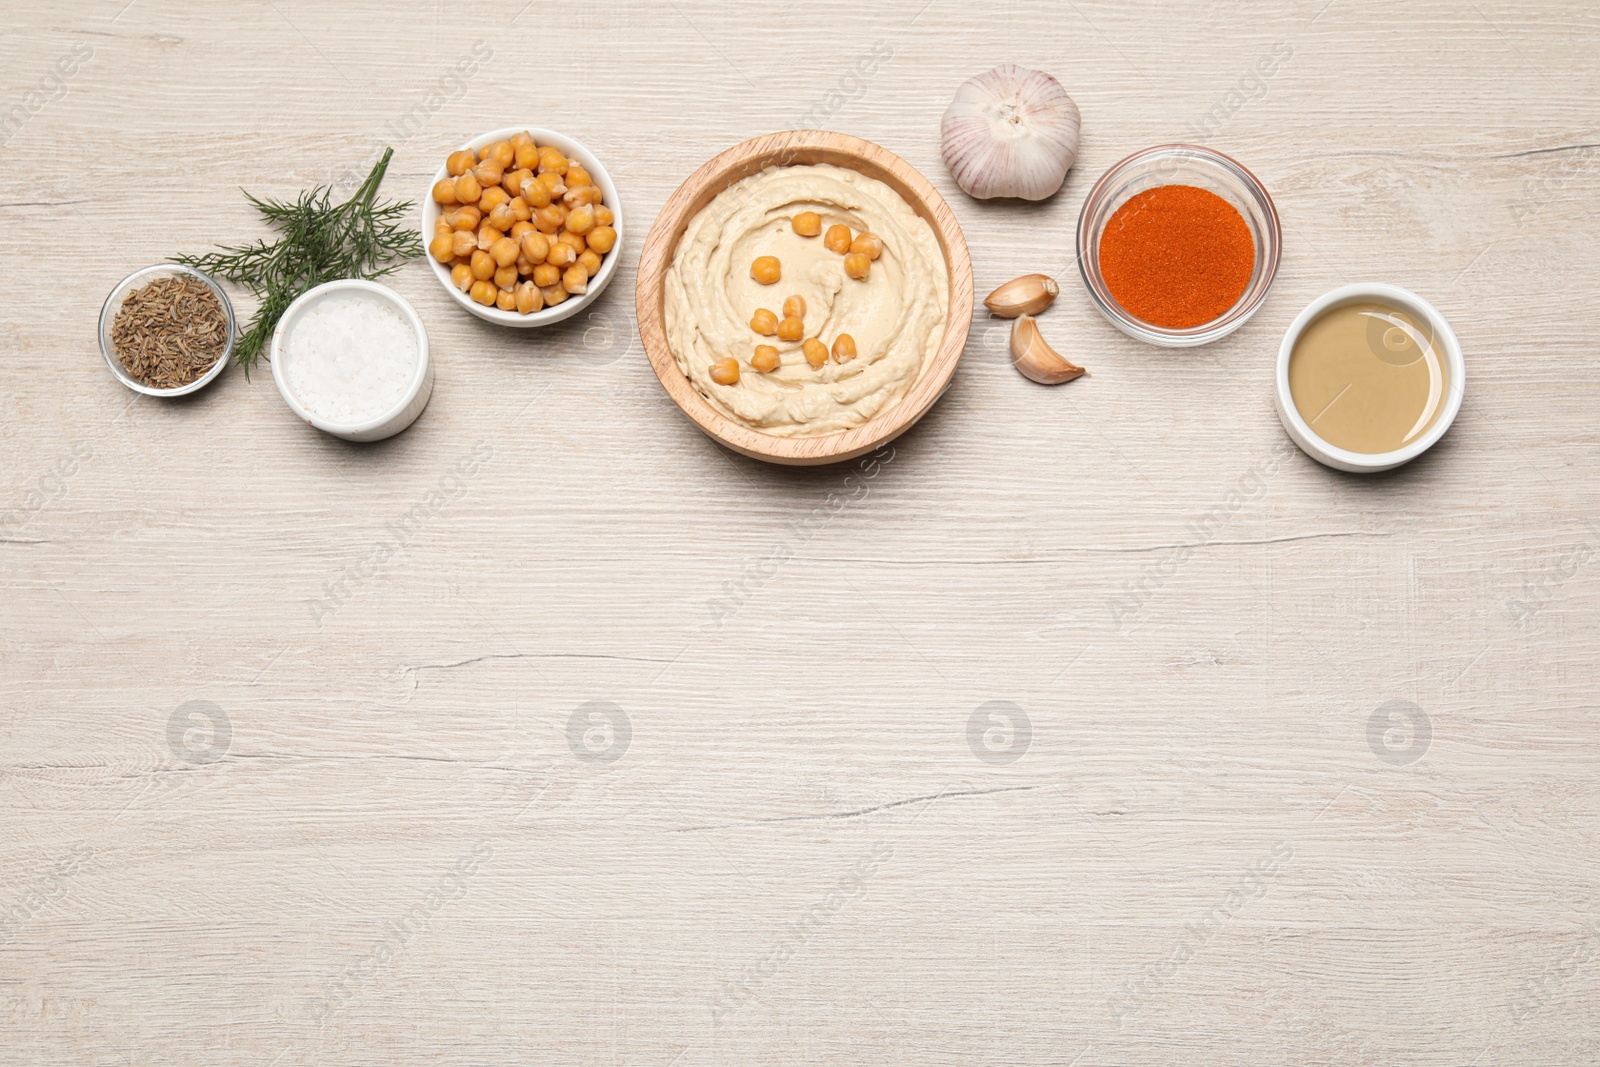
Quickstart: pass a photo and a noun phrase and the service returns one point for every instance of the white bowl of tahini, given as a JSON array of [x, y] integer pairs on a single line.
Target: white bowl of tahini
[[1402, 346], [350, 357]]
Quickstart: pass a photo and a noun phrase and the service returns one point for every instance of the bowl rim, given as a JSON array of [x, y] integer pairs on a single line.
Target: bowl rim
[[740, 161], [108, 313], [286, 320], [1230, 320], [1309, 441], [572, 148]]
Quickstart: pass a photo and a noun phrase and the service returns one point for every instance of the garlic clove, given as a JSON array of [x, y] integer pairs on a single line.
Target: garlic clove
[[1037, 360], [1027, 295], [1011, 132]]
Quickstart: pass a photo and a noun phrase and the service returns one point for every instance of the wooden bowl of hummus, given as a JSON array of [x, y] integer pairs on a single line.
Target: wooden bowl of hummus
[[697, 294]]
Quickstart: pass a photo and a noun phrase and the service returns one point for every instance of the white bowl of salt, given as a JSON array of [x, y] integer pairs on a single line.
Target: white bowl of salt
[[351, 358]]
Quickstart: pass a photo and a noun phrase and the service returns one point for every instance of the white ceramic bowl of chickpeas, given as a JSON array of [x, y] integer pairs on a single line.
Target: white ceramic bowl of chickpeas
[[542, 249]]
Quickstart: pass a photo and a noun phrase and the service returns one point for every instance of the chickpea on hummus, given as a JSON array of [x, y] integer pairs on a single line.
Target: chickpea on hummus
[[872, 300]]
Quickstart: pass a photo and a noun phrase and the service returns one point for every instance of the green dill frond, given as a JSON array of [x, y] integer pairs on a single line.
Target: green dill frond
[[319, 242]]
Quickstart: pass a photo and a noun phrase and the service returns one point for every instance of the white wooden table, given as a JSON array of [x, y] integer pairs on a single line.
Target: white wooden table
[[288, 765]]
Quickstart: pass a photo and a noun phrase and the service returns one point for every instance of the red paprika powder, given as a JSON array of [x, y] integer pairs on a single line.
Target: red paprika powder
[[1176, 256]]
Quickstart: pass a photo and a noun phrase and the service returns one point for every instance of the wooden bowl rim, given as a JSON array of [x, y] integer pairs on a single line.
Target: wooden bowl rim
[[661, 243]]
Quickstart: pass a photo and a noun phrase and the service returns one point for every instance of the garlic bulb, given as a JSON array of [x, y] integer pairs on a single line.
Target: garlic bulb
[[1011, 132]]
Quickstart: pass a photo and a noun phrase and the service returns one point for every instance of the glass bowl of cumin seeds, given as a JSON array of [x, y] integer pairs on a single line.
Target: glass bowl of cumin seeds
[[167, 330]]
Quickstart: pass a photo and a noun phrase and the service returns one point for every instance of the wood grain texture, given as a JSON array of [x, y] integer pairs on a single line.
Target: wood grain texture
[[790, 149], [1216, 847]]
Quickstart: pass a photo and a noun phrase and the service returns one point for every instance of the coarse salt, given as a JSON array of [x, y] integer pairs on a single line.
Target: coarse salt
[[350, 357]]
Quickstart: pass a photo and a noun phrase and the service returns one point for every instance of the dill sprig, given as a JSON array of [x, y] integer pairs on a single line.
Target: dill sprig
[[321, 241]]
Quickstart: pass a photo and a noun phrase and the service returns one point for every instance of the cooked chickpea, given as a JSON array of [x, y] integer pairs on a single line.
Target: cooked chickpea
[[725, 371], [467, 189], [837, 239], [844, 348], [504, 251], [536, 193], [580, 220], [807, 223], [512, 182], [816, 352], [489, 172], [764, 322], [794, 307], [550, 219], [867, 244], [522, 224], [529, 299], [766, 270], [765, 359], [791, 329], [535, 246], [491, 198], [858, 265]]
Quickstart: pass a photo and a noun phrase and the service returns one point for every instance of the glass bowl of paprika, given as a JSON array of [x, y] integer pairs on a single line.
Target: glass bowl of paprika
[[1178, 245]]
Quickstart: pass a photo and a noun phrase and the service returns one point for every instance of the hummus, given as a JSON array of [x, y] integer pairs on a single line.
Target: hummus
[[896, 316]]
